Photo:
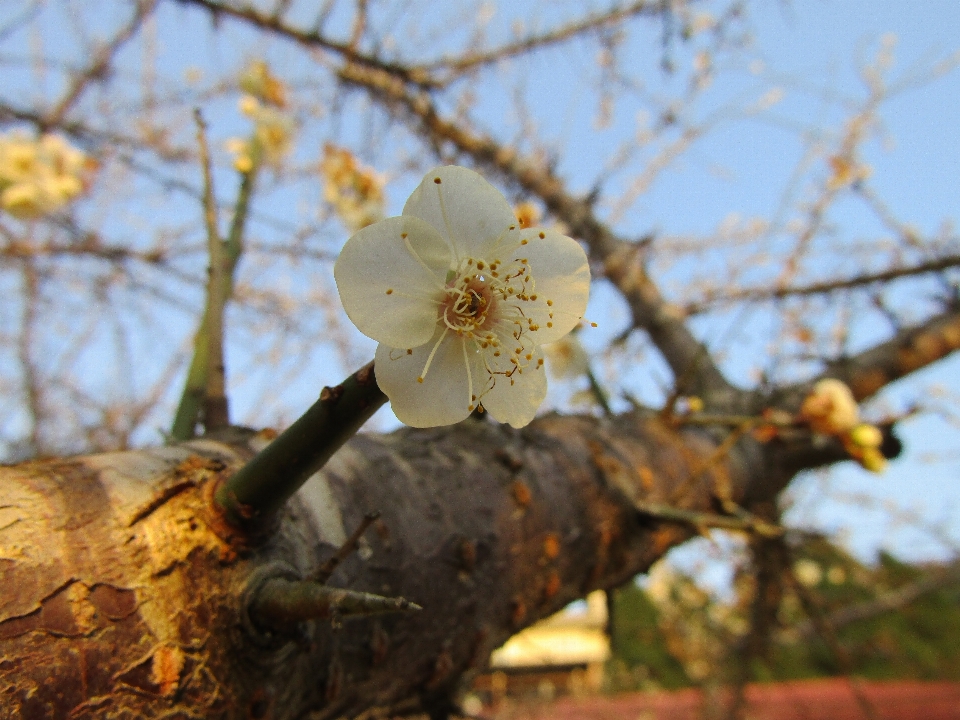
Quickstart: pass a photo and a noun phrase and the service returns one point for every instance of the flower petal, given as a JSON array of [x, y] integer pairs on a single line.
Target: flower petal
[[516, 404], [442, 398], [390, 276], [561, 275], [464, 208]]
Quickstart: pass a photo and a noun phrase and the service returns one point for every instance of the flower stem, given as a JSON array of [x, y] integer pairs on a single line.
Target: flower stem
[[261, 487]]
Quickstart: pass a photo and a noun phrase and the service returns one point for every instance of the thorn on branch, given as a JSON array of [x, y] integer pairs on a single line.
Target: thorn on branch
[[280, 603]]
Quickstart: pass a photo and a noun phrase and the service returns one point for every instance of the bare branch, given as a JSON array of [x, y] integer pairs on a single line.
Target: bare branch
[[307, 38], [910, 350], [31, 380], [229, 253], [359, 25], [100, 64], [456, 66], [824, 287], [324, 572], [701, 521]]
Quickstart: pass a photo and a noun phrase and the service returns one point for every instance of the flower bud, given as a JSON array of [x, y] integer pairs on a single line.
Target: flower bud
[[866, 436]]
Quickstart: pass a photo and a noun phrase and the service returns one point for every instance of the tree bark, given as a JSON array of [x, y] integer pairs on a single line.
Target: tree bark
[[123, 594]]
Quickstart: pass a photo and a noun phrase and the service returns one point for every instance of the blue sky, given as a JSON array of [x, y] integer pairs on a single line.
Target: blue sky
[[917, 169]]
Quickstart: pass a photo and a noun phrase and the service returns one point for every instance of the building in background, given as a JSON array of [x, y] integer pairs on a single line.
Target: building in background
[[563, 654]]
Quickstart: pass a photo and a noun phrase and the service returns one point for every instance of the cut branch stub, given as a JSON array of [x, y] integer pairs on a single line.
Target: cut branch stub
[[250, 497]]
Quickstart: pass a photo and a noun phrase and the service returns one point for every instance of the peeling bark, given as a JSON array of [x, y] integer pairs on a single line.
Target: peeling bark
[[120, 599]]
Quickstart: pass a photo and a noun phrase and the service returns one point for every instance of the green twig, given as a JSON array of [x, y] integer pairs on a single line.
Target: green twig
[[234, 243], [263, 485], [734, 420], [599, 394], [748, 523], [195, 387], [216, 413], [280, 603]]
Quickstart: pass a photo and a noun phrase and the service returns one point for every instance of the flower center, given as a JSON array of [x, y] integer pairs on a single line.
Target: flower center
[[469, 305], [483, 304]]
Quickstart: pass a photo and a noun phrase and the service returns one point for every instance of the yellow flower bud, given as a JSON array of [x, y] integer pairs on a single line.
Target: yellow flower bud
[[243, 163], [39, 176], [249, 105], [873, 460], [354, 191], [257, 80], [866, 436]]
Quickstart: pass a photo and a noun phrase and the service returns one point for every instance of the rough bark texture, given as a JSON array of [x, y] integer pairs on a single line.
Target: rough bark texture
[[122, 596]]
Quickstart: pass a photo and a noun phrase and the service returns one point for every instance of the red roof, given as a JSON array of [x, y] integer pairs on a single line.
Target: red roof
[[832, 699]]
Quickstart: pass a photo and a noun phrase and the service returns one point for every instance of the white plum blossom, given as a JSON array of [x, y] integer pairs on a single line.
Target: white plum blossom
[[461, 298]]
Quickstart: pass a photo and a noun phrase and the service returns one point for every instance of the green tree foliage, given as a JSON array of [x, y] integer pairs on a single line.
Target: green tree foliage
[[641, 657], [916, 640], [891, 620]]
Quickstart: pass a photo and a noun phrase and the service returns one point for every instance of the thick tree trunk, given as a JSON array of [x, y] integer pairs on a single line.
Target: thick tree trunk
[[123, 595]]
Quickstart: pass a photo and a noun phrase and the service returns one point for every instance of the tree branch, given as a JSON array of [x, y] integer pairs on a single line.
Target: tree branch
[[910, 350], [229, 251], [486, 527], [100, 65], [457, 66], [885, 602], [822, 288], [215, 408], [308, 38], [32, 386], [251, 496], [866, 373]]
